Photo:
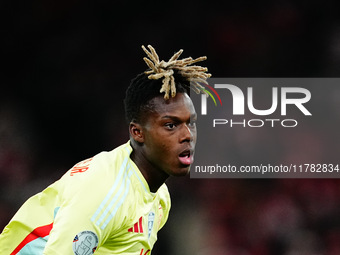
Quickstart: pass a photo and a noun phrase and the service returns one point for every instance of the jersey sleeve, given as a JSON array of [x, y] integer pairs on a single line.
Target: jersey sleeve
[[30, 226], [76, 227]]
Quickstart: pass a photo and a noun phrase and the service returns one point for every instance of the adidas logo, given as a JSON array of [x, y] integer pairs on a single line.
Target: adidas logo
[[137, 227]]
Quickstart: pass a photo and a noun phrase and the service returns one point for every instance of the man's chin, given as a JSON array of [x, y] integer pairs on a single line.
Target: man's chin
[[183, 171]]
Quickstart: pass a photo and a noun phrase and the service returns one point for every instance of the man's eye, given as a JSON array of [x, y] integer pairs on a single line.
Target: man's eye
[[170, 125]]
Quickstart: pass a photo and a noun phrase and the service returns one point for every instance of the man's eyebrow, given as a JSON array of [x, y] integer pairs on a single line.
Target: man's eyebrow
[[175, 118], [170, 117]]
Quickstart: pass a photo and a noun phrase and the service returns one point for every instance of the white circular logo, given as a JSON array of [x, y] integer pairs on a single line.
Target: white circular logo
[[85, 243]]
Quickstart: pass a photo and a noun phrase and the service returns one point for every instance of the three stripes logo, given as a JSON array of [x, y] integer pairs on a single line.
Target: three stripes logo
[[137, 227]]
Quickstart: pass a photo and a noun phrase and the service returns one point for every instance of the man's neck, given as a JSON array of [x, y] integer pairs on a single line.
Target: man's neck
[[153, 176]]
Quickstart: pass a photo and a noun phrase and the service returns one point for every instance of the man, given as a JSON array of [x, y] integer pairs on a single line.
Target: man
[[115, 202]]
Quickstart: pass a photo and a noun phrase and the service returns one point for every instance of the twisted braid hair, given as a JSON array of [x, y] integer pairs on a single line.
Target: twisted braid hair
[[174, 76]]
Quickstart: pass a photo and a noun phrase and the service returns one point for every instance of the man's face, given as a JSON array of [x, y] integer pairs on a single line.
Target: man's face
[[170, 134]]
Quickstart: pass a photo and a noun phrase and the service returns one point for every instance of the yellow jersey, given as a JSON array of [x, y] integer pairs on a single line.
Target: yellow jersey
[[102, 205]]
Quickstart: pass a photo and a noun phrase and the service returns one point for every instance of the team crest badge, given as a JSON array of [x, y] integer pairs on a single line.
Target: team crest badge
[[85, 243], [151, 219]]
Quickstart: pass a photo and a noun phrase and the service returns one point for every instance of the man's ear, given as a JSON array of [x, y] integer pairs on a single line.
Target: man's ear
[[136, 132]]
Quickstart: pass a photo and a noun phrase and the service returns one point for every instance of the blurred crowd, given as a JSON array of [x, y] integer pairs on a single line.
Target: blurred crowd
[[66, 66]]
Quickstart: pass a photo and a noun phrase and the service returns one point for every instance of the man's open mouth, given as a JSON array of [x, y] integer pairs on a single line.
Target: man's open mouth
[[186, 157]]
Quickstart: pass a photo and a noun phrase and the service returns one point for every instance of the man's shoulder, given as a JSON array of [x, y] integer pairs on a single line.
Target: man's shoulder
[[121, 151], [102, 168], [164, 195], [105, 160]]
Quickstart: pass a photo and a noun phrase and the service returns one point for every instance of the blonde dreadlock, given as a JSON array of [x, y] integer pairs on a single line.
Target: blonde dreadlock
[[161, 69]]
